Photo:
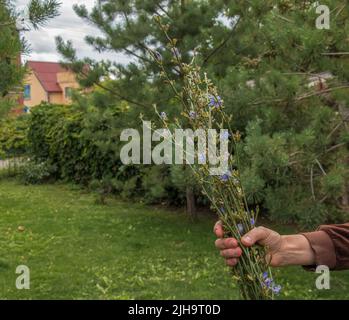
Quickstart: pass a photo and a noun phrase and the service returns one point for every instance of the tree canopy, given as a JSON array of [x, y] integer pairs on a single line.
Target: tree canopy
[[12, 44], [284, 81]]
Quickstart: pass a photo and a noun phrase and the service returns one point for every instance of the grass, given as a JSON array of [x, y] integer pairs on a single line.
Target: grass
[[76, 249]]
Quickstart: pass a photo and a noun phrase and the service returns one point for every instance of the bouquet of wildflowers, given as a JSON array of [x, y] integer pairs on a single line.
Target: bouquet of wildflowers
[[204, 108]]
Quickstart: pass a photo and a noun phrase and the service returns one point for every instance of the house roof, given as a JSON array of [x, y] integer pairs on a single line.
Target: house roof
[[46, 73]]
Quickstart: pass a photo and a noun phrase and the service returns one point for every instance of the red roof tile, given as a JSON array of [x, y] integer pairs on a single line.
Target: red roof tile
[[46, 72]]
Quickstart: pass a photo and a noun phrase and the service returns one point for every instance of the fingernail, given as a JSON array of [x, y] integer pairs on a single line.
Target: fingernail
[[247, 239]]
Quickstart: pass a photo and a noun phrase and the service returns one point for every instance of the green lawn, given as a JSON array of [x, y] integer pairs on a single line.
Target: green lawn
[[76, 249]]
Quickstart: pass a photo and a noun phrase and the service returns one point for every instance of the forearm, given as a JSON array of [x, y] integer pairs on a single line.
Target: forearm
[[295, 250], [331, 245]]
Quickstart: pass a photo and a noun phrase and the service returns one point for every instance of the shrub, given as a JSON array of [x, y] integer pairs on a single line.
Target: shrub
[[84, 147], [35, 173], [293, 174], [13, 137]]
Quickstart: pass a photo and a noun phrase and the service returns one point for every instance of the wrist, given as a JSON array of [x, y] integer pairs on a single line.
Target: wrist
[[295, 250]]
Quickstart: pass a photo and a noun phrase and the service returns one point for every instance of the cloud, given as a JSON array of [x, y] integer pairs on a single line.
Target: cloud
[[70, 27]]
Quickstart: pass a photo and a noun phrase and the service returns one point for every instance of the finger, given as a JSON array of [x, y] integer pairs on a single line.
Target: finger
[[259, 235], [268, 259], [231, 262], [218, 229], [231, 253], [228, 243]]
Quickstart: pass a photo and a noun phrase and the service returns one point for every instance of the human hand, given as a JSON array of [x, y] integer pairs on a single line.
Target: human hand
[[231, 251]]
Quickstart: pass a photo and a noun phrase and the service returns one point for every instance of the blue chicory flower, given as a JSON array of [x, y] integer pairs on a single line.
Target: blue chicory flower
[[215, 102], [268, 282], [253, 222], [276, 289], [225, 177], [163, 115]]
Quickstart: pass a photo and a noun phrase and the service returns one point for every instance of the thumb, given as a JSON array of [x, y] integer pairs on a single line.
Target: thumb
[[259, 234]]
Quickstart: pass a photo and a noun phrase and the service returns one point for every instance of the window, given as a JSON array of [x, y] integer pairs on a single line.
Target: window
[[68, 92], [27, 92], [26, 109]]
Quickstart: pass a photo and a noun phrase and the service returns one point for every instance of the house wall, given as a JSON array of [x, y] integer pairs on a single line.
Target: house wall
[[67, 80], [38, 94], [56, 98]]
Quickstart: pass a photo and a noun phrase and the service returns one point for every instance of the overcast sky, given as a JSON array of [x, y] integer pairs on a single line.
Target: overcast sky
[[70, 27]]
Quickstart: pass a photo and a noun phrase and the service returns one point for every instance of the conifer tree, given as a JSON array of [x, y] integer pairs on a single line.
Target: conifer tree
[[128, 27], [284, 80], [38, 12]]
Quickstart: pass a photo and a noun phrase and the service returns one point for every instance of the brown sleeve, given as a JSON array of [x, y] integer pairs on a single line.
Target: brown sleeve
[[331, 245]]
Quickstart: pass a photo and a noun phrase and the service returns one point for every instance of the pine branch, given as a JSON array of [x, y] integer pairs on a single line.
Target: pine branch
[[128, 51], [302, 97], [283, 18], [163, 10], [338, 126], [42, 10], [115, 93], [335, 54], [336, 147], [222, 45], [316, 93]]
